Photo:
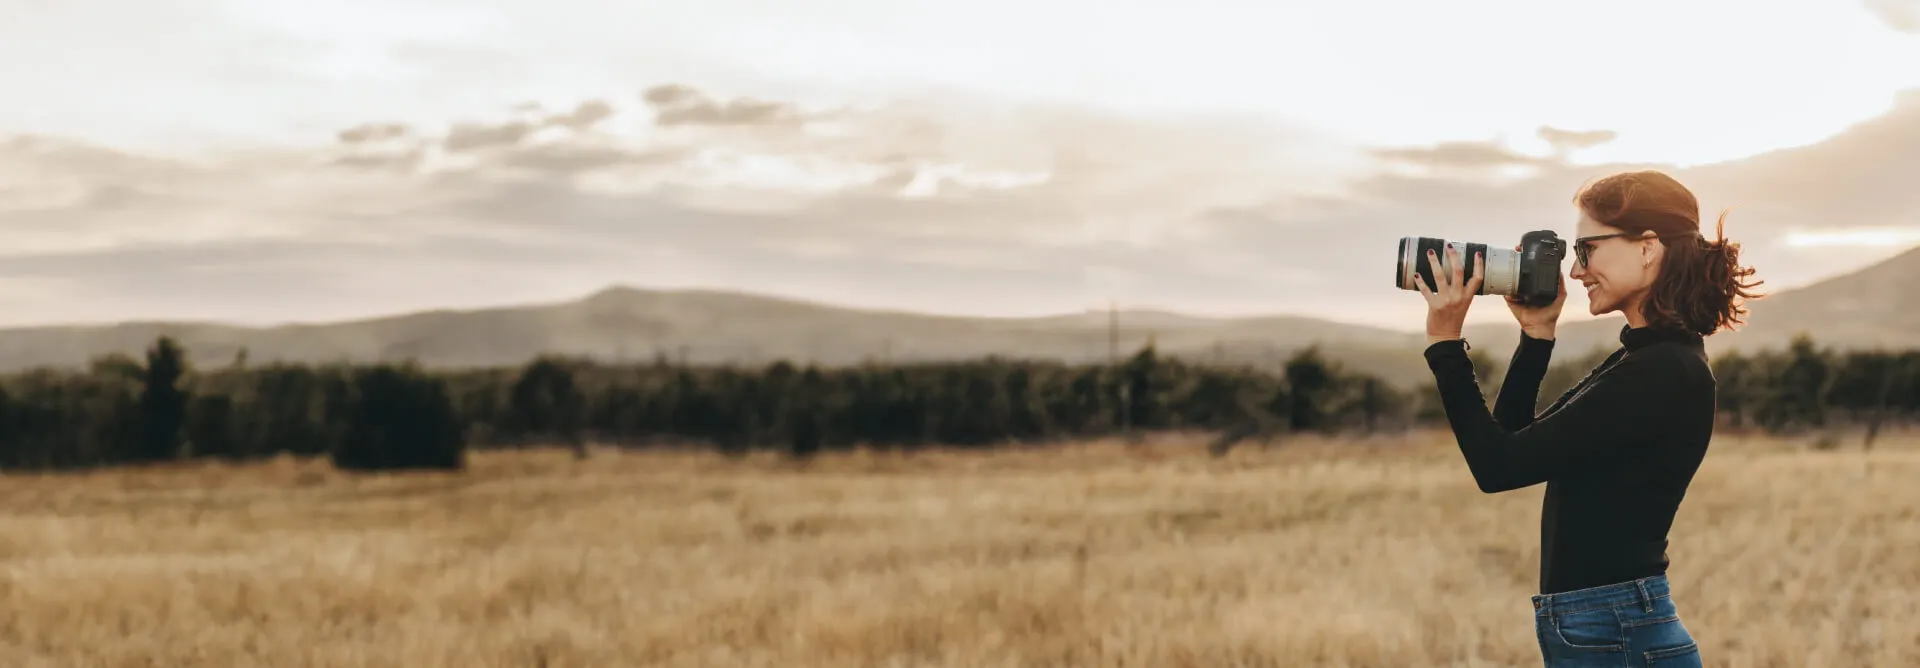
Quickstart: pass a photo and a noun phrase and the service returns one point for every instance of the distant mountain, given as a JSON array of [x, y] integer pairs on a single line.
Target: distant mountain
[[705, 326], [1873, 306]]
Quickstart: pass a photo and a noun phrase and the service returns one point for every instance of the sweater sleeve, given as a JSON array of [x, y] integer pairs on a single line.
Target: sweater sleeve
[[1618, 410], [1520, 392]]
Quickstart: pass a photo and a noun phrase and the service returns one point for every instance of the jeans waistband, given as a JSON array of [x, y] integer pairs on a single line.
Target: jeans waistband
[[1640, 592]]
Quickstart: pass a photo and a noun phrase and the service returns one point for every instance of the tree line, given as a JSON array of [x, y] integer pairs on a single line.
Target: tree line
[[123, 410]]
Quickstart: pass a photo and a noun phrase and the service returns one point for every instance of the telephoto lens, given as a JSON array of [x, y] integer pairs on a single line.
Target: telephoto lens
[[1502, 272], [1532, 273]]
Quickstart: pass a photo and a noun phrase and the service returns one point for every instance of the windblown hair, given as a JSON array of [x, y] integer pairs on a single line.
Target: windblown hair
[[1701, 286]]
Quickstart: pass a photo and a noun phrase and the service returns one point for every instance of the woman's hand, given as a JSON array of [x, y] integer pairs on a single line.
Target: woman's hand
[[1447, 304], [1539, 321]]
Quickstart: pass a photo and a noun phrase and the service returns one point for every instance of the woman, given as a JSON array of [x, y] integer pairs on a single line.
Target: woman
[[1619, 449]]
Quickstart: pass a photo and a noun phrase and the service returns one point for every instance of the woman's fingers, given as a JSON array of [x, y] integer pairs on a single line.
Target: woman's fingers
[[1456, 265], [1421, 284], [1450, 282], [1437, 270], [1473, 285]]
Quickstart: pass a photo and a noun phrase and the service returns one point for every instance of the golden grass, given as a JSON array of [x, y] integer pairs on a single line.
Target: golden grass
[[1308, 554]]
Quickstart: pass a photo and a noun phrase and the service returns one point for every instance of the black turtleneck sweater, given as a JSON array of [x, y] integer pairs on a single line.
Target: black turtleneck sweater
[[1617, 451]]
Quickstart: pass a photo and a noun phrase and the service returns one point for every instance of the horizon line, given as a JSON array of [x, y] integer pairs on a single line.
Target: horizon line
[[1115, 306]]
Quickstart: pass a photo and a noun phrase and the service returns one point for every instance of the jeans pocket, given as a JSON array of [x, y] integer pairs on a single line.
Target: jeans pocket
[[1590, 630], [1682, 656], [1661, 637]]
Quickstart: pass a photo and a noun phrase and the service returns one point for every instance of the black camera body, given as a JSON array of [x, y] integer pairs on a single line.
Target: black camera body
[[1531, 274], [1541, 252]]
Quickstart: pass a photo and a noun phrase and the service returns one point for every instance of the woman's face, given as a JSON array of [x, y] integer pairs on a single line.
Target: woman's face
[[1619, 269]]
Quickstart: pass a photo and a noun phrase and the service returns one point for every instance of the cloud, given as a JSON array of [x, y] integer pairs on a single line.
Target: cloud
[[1902, 15], [393, 147], [371, 132], [562, 158], [405, 159], [1482, 158], [1574, 140], [941, 204], [1460, 154], [472, 135], [676, 104], [469, 136], [588, 114]]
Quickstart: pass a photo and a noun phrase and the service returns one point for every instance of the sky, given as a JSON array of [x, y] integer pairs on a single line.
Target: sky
[[274, 161]]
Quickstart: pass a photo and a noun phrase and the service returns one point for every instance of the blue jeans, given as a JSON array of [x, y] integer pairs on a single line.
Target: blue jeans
[[1631, 624]]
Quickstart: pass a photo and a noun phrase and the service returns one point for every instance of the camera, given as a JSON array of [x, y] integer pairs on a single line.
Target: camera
[[1532, 273]]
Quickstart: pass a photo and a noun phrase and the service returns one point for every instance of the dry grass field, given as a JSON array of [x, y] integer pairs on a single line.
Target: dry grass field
[[1374, 553]]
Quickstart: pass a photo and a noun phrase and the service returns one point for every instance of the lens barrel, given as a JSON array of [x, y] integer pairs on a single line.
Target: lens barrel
[[1414, 265]]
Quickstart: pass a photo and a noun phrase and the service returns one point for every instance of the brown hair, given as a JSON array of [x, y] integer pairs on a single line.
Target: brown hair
[[1701, 287]]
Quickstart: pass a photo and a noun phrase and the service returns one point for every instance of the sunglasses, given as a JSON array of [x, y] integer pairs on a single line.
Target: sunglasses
[[1582, 247]]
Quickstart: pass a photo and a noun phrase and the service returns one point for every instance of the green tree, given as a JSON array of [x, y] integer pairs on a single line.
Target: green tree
[[1144, 376], [1312, 380], [1799, 393], [806, 419], [163, 403], [546, 404], [400, 418]]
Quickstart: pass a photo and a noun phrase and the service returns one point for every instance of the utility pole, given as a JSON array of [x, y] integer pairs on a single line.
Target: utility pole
[[1880, 405], [1113, 362], [1113, 334]]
